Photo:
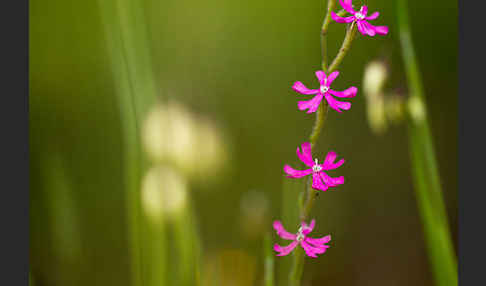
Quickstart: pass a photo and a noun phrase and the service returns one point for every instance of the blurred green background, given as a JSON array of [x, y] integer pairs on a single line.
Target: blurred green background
[[159, 129]]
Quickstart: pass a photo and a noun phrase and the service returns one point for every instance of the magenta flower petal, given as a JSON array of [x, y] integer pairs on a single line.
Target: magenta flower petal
[[312, 105], [312, 225], [350, 92], [277, 225], [308, 250], [380, 30], [311, 250], [361, 28], [285, 250], [364, 10], [347, 5], [370, 28], [365, 29], [337, 105], [317, 183], [373, 16], [332, 77], [338, 19], [306, 155], [318, 241], [301, 88], [321, 76], [329, 161], [292, 173], [331, 182], [306, 229]]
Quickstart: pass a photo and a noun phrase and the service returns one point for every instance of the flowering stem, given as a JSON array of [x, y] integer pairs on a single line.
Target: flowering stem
[[348, 39], [321, 114], [424, 166]]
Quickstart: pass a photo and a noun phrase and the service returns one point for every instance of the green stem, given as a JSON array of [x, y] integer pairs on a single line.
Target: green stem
[[348, 39], [321, 115], [269, 261], [325, 26], [297, 267], [424, 166]]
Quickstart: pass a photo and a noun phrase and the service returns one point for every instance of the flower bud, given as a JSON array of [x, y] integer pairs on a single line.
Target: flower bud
[[172, 134], [164, 191], [375, 76], [376, 114]]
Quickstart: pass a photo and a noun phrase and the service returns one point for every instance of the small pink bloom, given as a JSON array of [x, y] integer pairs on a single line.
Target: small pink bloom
[[324, 91], [320, 180], [360, 18], [311, 246]]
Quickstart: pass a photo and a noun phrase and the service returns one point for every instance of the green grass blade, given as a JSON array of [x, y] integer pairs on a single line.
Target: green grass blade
[[128, 51], [424, 166]]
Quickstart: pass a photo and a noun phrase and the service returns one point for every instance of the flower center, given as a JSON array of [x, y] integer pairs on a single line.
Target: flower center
[[359, 15], [316, 168], [324, 89], [300, 235]]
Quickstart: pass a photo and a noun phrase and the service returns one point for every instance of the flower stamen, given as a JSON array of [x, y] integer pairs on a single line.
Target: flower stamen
[[359, 16], [300, 235], [324, 89], [316, 168]]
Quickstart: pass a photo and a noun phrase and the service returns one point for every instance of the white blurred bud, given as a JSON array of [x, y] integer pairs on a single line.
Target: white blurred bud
[[376, 114], [375, 75], [181, 138], [164, 192], [172, 134]]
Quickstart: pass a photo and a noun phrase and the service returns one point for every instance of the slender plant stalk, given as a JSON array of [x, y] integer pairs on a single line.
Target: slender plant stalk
[[188, 246], [311, 194], [348, 39], [269, 261], [321, 115], [325, 26], [424, 166]]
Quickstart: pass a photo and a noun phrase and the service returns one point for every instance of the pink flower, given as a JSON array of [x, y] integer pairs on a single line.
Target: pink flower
[[320, 180], [312, 246], [360, 18], [324, 91]]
